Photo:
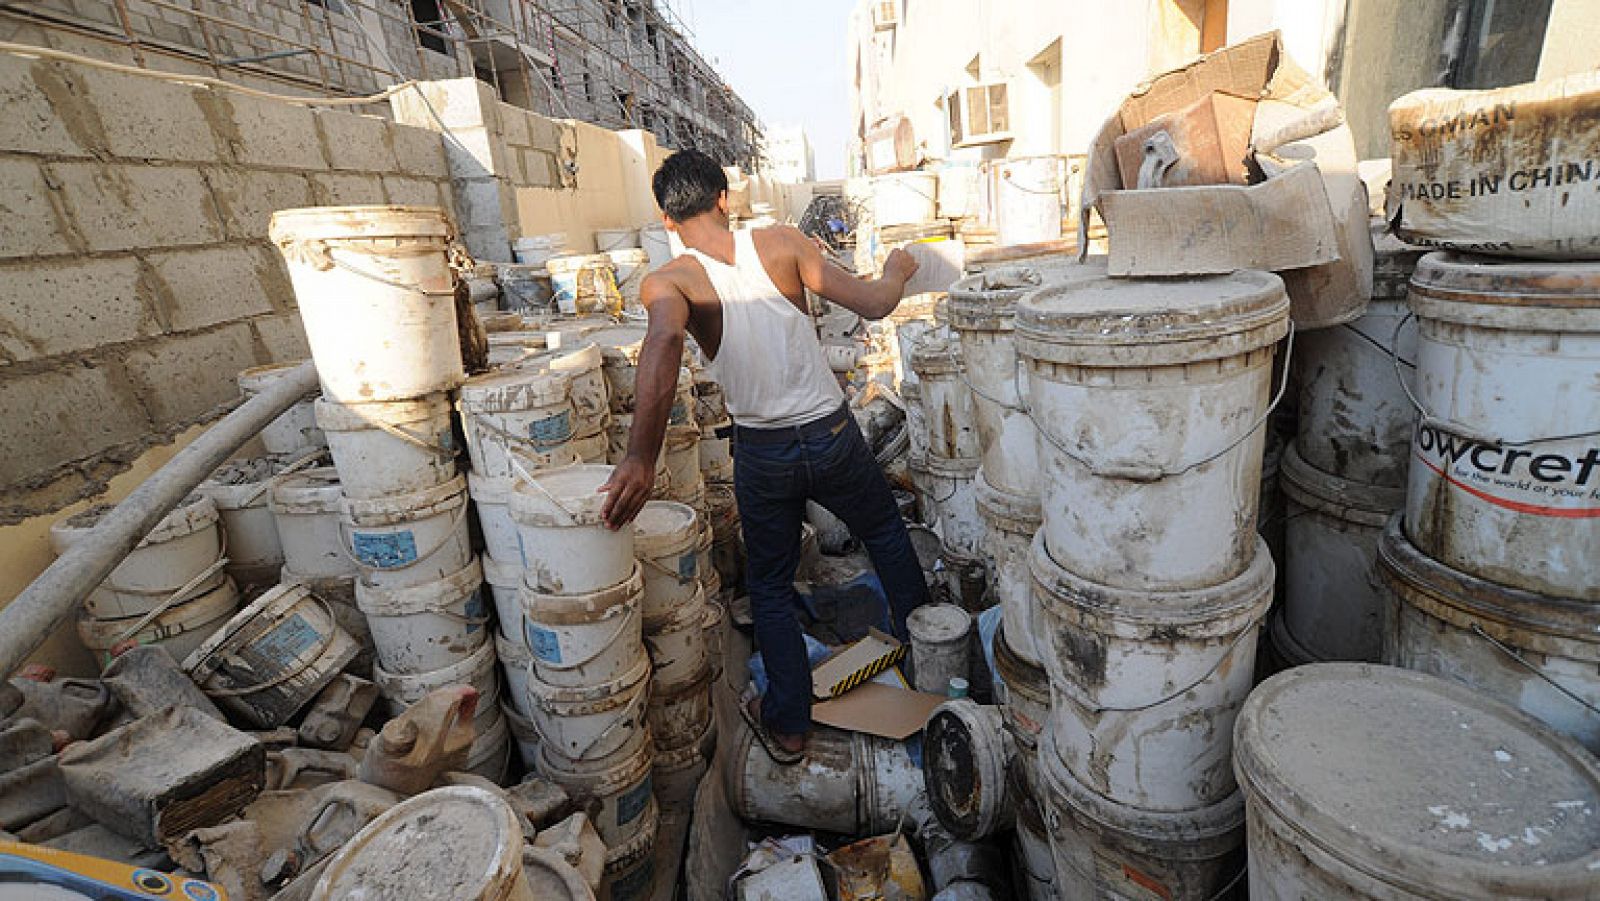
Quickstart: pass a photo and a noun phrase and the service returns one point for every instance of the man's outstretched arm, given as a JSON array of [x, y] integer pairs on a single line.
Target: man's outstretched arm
[[869, 299], [656, 383]]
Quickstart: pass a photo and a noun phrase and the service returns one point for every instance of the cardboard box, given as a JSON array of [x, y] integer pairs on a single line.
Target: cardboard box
[[1509, 172], [855, 664], [1312, 234], [1211, 137]]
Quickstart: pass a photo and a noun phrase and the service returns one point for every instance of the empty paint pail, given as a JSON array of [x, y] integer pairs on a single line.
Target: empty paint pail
[[951, 483], [965, 757], [401, 690], [1029, 196], [390, 447], [582, 363], [566, 546], [904, 198], [491, 498], [946, 399], [1370, 782], [464, 838], [180, 628], [680, 712], [590, 724], [1535, 652], [239, 488], [1145, 685], [409, 539], [716, 453], [616, 790], [517, 421], [295, 430], [183, 552], [515, 661], [582, 640], [1150, 396], [504, 583], [306, 508], [273, 657], [1331, 605], [631, 265], [677, 644], [422, 628], [1010, 522], [849, 782], [1506, 356], [680, 479], [666, 539], [941, 645]]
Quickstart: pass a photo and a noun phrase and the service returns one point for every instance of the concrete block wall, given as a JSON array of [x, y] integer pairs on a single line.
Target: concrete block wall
[[135, 274]]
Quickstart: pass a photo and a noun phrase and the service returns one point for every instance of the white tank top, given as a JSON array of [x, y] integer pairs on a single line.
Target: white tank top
[[770, 363]]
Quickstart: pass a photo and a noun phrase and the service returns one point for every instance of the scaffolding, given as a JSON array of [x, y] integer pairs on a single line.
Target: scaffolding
[[620, 64]]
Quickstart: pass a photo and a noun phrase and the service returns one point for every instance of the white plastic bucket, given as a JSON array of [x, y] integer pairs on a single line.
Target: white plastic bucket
[[534, 250], [680, 712], [1535, 652], [180, 628], [239, 489], [1506, 358], [582, 640], [1010, 523], [710, 401], [410, 539], [716, 617], [584, 284], [1024, 698], [590, 724], [850, 783], [389, 447], [518, 421], [184, 546], [422, 628], [1331, 606], [1371, 782], [377, 298], [946, 400], [631, 266], [591, 396], [966, 753], [653, 240], [716, 454], [677, 644], [916, 319], [461, 837], [680, 479], [1145, 685], [401, 690], [491, 498], [1150, 396], [666, 539], [951, 484], [607, 240], [1028, 199], [515, 659], [619, 351], [489, 755], [504, 581], [616, 790], [916, 419], [960, 191], [941, 645], [273, 657], [904, 198], [295, 431], [306, 510], [1355, 421], [566, 545]]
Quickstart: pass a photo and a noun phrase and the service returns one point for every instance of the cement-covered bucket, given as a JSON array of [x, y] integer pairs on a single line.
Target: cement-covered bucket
[[377, 297], [616, 789], [182, 555], [273, 657], [631, 265], [710, 401], [666, 539], [715, 621], [630, 869], [401, 690], [295, 430], [463, 839], [679, 479], [491, 498], [619, 351], [566, 546], [410, 539], [1503, 482], [584, 284], [239, 489], [1331, 605], [582, 363], [593, 450], [849, 782], [489, 755], [1145, 685], [592, 723], [946, 399], [952, 484], [1150, 395], [716, 453], [677, 644], [1355, 420], [680, 712], [1535, 652], [941, 646], [306, 507], [677, 774], [1364, 781], [1010, 523], [582, 640], [966, 753], [179, 628], [1035, 865], [517, 421], [426, 627], [390, 447]]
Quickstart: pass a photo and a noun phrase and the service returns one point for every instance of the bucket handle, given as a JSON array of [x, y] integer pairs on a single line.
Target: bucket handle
[[445, 454], [650, 561], [1426, 419], [459, 617], [306, 663], [627, 717], [347, 544], [1210, 671], [622, 627], [1512, 653], [528, 478], [182, 594], [320, 254]]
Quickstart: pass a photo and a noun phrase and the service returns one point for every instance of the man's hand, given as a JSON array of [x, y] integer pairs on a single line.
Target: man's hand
[[627, 491], [899, 265]]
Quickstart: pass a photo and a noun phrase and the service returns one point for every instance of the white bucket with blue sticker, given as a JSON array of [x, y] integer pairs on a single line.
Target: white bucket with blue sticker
[[616, 790], [390, 447], [421, 628], [518, 420], [566, 545], [399, 690], [589, 725], [408, 539], [666, 539], [491, 498], [273, 656], [580, 641]]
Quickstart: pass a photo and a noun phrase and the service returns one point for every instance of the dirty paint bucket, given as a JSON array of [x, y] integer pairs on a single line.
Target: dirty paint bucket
[[610, 240], [422, 628], [1024, 698], [306, 509], [185, 546], [524, 737], [965, 577], [710, 401], [534, 250], [677, 644], [653, 240], [504, 583], [1145, 685], [491, 498], [461, 837], [390, 447], [582, 640], [916, 319], [680, 712], [631, 266], [593, 450], [630, 869], [946, 400], [916, 419], [904, 198], [515, 661], [273, 657], [566, 546], [1150, 396], [677, 774], [406, 540], [1331, 605], [295, 431], [965, 757], [941, 645], [1029, 194], [680, 479], [180, 629], [922, 486], [615, 790], [1010, 523], [1371, 782], [1506, 356], [377, 298], [619, 353], [666, 539], [489, 755], [727, 545], [716, 618], [591, 723], [239, 489], [1103, 849], [951, 484], [517, 421], [584, 285], [1507, 644], [401, 690], [716, 453], [515, 349], [849, 782], [1355, 421], [581, 362]]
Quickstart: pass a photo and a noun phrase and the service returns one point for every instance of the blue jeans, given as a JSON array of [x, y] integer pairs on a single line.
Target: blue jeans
[[773, 479]]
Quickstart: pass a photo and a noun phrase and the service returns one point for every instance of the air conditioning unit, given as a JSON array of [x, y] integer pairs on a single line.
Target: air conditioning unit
[[885, 14], [979, 114]]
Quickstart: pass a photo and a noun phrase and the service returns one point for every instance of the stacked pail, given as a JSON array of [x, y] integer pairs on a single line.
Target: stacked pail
[[1150, 581], [589, 685], [951, 465]]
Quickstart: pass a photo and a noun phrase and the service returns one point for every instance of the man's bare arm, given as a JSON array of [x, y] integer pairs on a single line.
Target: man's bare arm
[[656, 382], [869, 299]]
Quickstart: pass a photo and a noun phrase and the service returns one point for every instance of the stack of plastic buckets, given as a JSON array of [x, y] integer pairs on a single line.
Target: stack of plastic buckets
[[951, 465], [716, 468], [589, 686], [1151, 584], [376, 294]]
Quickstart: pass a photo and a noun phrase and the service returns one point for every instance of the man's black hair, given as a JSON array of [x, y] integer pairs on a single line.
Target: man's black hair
[[688, 184]]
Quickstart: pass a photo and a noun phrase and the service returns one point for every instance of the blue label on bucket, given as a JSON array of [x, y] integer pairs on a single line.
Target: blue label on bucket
[[477, 611], [688, 570], [545, 644], [291, 638], [679, 414], [630, 805], [551, 430], [384, 550]]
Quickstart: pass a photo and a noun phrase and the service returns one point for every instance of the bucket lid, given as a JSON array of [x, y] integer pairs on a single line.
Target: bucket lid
[[1108, 321], [257, 378], [1308, 486], [274, 601], [935, 356], [193, 513], [665, 528], [310, 491], [357, 223], [965, 754], [464, 841], [514, 390], [1503, 292], [987, 301], [563, 265], [560, 498], [393, 509], [1422, 783], [1006, 511], [630, 256], [334, 416], [938, 623]]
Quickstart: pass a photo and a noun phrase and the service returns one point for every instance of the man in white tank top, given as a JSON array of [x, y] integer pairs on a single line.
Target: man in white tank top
[[742, 296]]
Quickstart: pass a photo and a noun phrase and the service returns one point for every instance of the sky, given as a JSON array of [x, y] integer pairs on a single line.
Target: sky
[[786, 59]]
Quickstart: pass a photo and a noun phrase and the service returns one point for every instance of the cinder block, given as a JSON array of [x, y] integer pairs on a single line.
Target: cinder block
[[474, 153], [413, 191], [347, 189], [458, 103], [38, 102], [182, 377], [30, 222], [72, 304], [355, 142], [205, 287], [121, 207], [145, 118], [265, 132], [419, 151], [61, 414], [513, 124], [247, 198], [282, 336]]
